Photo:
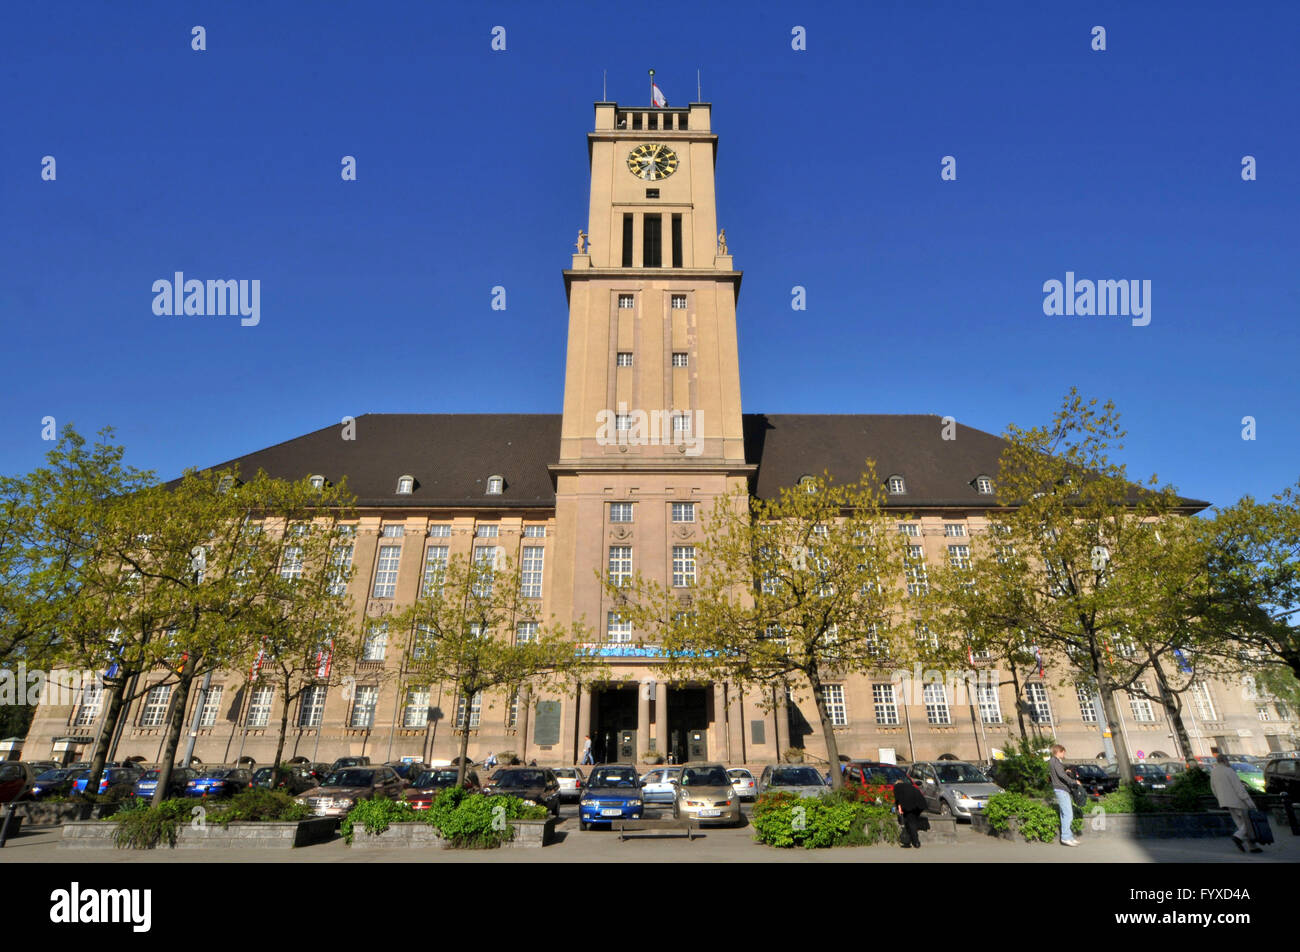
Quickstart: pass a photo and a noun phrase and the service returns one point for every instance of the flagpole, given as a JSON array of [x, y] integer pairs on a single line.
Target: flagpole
[[652, 88]]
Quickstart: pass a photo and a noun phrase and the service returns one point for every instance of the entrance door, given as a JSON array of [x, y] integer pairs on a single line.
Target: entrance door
[[613, 713], [688, 724]]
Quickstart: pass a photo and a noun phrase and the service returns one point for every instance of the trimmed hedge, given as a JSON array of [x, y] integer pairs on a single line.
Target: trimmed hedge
[[786, 820]]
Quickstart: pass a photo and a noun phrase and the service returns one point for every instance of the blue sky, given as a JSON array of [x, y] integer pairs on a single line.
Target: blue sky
[[923, 295]]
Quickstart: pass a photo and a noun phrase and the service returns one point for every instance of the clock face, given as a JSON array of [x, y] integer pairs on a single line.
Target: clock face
[[652, 161]]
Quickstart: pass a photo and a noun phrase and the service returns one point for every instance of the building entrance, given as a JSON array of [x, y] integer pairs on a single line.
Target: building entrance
[[688, 724], [613, 719]]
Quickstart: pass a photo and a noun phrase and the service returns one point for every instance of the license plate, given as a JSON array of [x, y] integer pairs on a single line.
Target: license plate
[[611, 812], [710, 813]]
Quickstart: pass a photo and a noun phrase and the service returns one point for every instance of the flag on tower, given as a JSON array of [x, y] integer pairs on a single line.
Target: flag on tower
[[657, 96], [1038, 656]]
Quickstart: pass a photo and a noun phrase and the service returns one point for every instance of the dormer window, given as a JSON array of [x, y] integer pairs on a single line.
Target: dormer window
[[984, 485], [495, 485], [317, 482], [225, 483], [897, 486], [809, 483], [405, 485]]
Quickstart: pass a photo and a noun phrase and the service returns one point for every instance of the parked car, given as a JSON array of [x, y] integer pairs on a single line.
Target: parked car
[[294, 779], [613, 793], [704, 794], [571, 781], [660, 785], [41, 766], [343, 789], [113, 782], [349, 762], [407, 770], [53, 783], [176, 783], [791, 778], [953, 787], [1252, 775], [872, 773], [16, 779], [1153, 778], [217, 782], [430, 782], [536, 784], [743, 782], [1282, 775], [1094, 778]]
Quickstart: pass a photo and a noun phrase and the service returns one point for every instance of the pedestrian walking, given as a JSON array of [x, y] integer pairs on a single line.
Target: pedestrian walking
[[1062, 788], [587, 758], [910, 803], [1235, 798]]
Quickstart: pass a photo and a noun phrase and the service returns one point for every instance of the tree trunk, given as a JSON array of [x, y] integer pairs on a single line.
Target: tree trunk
[[1173, 708], [1020, 708], [112, 713], [828, 730], [462, 768], [1112, 723], [279, 744], [174, 729]]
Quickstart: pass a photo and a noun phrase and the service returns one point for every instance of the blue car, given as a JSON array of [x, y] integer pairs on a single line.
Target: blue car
[[180, 776], [116, 778], [613, 793], [216, 782]]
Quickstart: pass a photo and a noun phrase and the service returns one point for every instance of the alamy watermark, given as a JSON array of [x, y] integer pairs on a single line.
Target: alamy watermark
[[683, 428], [1104, 298], [19, 686], [212, 298]]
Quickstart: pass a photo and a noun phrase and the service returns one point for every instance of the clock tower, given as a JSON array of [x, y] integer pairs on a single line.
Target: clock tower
[[651, 432]]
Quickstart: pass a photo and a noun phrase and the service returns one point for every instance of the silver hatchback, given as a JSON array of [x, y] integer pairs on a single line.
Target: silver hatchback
[[953, 787]]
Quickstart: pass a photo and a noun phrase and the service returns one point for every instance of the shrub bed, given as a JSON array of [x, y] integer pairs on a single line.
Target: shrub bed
[[1036, 820], [834, 819], [465, 820], [140, 825]]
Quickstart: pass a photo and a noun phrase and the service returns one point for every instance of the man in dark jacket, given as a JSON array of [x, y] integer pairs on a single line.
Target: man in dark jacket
[[911, 804]]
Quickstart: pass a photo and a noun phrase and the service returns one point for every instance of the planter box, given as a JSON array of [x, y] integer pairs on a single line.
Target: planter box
[[56, 814], [418, 835], [274, 835], [1136, 826], [943, 829], [980, 824]]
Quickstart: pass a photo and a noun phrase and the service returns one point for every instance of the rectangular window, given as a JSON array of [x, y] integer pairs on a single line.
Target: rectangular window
[[683, 566], [677, 241], [990, 707], [683, 512], [1203, 701], [620, 565], [155, 706], [487, 531], [876, 648], [652, 120], [211, 707], [386, 571], [624, 359], [620, 512], [475, 709], [652, 193], [363, 708], [92, 698], [681, 424], [441, 531], [259, 707], [340, 566], [512, 710], [1040, 711], [682, 120], [627, 253], [680, 359], [535, 532], [936, 704], [959, 556], [918, 578], [623, 422], [376, 643], [525, 632], [925, 637], [1087, 696], [291, 562], [679, 302], [954, 530], [652, 241], [530, 579], [618, 628], [1141, 706], [1261, 711], [886, 704], [435, 571], [416, 714], [839, 714], [485, 561], [421, 642], [392, 531], [311, 707], [910, 529]]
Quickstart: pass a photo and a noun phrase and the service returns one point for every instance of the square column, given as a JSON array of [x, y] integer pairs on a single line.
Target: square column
[[661, 718]]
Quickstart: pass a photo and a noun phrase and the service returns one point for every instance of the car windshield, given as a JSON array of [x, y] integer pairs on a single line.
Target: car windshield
[[705, 777], [218, 774], [1243, 767], [613, 777], [436, 778], [519, 778], [350, 778], [885, 773], [51, 775], [797, 777], [152, 774], [960, 773], [739, 773], [568, 773], [1089, 770]]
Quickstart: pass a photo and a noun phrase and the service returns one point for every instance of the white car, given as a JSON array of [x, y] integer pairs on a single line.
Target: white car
[[659, 786], [742, 781], [571, 783]]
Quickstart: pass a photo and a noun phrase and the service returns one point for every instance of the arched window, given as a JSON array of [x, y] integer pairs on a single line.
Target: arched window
[[495, 485], [405, 485], [317, 482], [984, 485], [896, 485]]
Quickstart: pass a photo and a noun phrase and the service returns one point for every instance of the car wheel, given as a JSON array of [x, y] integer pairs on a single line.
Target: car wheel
[[584, 825], [944, 808]]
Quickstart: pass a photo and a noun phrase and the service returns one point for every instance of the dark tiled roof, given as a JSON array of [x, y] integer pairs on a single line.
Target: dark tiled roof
[[451, 456]]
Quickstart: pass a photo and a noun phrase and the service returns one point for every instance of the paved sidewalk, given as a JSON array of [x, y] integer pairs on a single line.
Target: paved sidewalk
[[714, 846]]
